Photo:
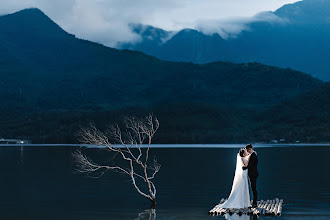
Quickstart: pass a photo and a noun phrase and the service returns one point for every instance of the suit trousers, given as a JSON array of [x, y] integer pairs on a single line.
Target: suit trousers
[[253, 181]]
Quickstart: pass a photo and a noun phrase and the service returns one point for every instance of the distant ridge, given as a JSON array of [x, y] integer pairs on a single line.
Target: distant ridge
[[306, 116], [300, 41], [52, 83]]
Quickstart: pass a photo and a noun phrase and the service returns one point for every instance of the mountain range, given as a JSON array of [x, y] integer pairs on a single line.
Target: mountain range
[[296, 39], [52, 83]]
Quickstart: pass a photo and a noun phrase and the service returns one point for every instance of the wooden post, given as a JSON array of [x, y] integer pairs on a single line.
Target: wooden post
[[271, 207], [279, 210], [274, 209], [260, 205], [265, 207], [268, 207]]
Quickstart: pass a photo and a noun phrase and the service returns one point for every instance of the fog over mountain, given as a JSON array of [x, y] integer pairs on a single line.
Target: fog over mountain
[[294, 36], [108, 21]]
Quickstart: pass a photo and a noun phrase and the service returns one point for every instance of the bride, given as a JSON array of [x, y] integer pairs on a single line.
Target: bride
[[239, 196]]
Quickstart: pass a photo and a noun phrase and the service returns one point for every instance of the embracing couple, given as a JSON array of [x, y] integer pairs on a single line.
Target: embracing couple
[[246, 167]]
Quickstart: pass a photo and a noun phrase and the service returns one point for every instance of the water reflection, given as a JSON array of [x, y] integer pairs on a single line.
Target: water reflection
[[236, 217], [39, 181], [22, 154], [149, 214]]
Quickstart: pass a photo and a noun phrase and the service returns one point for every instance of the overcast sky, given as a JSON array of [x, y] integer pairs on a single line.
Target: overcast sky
[[106, 21]]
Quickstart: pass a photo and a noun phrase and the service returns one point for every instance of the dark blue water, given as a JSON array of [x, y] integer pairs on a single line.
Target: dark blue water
[[39, 183]]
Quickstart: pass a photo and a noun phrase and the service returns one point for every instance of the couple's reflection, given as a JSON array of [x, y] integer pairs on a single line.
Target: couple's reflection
[[239, 217], [150, 214]]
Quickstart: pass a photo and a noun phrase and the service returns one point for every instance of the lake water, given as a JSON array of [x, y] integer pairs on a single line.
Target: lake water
[[39, 183]]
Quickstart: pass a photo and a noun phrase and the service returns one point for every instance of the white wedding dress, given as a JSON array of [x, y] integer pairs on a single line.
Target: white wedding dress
[[239, 196]]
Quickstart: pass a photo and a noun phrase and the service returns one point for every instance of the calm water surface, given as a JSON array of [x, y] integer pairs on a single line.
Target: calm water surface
[[39, 183]]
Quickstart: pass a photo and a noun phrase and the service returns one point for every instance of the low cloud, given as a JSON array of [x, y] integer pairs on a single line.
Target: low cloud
[[230, 28], [108, 21]]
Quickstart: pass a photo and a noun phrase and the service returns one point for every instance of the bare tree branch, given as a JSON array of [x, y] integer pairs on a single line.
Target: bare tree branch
[[131, 139]]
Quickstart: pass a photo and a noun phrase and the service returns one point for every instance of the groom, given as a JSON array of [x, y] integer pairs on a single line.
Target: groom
[[252, 172]]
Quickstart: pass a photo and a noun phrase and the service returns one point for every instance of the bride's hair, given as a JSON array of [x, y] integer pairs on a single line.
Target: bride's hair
[[241, 152]]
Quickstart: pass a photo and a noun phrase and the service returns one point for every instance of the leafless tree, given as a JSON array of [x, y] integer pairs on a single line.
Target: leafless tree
[[132, 144]]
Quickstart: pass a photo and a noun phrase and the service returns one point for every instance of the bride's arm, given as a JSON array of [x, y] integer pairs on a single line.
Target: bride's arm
[[248, 158], [245, 164]]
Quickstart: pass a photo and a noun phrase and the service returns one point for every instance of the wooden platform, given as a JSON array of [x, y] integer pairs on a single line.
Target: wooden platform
[[268, 207]]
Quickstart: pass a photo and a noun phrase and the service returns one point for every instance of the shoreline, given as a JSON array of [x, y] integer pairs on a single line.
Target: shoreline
[[201, 146]]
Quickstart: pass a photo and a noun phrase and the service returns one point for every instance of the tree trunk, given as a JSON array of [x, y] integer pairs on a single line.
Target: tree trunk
[[153, 204]]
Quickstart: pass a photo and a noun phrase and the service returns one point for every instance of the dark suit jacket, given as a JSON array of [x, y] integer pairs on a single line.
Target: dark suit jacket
[[253, 166]]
